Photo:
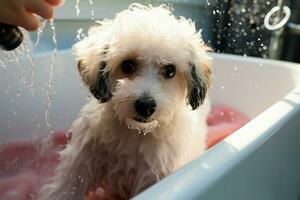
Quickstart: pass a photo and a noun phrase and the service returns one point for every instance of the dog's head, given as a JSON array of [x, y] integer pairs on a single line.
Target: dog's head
[[147, 64]]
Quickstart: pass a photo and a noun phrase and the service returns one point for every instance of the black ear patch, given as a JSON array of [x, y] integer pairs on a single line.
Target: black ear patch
[[100, 89], [198, 89]]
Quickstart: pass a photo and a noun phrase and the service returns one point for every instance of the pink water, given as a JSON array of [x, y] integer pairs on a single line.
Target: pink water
[[23, 170]]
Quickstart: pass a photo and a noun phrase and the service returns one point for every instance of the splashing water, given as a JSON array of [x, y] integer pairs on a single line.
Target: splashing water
[[46, 142], [50, 81], [77, 7], [79, 32], [40, 32], [26, 76], [28, 54], [23, 70], [16, 57], [3, 64], [235, 70], [92, 10]]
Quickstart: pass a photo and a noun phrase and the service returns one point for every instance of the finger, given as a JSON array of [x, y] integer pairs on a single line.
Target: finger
[[29, 21], [55, 2], [11, 15], [40, 8]]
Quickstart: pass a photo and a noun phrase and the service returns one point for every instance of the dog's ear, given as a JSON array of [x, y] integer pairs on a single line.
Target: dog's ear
[[101, 88], [199, 79], [100, 85], [198, 87], [91, 53]]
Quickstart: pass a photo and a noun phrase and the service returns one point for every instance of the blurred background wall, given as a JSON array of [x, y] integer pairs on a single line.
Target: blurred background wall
[[229, 26]]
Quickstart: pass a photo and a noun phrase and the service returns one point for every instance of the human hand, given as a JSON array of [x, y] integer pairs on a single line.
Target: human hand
[[25, 12]]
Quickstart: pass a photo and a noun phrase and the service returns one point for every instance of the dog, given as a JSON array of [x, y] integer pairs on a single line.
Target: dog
[[149, 73]]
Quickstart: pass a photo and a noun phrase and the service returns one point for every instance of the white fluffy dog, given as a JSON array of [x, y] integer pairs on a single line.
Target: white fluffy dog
[[149, 72]]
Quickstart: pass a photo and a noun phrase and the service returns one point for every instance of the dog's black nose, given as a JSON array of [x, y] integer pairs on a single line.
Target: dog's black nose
[[145, 106]]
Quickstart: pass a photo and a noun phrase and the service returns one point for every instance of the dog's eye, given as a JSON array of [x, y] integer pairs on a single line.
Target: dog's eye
[[128, 66], [169, 71]]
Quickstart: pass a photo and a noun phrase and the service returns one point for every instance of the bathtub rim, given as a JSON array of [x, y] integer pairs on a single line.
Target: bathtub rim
[[207, 167], [171, 186]]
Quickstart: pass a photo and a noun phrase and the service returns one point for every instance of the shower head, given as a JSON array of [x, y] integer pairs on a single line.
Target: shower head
[[10, 37]]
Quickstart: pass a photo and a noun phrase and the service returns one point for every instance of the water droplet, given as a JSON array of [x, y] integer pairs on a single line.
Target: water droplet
[[79, 32], [9, 124], [2, 63]]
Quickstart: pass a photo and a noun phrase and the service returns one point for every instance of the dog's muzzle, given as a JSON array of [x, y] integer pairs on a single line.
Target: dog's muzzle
[[145, 107]]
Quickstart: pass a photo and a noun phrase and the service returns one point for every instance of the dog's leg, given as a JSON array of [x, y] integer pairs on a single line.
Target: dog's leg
[[72, 177]]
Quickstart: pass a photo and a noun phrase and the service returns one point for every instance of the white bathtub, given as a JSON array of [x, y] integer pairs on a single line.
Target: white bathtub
[[259, 161]]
